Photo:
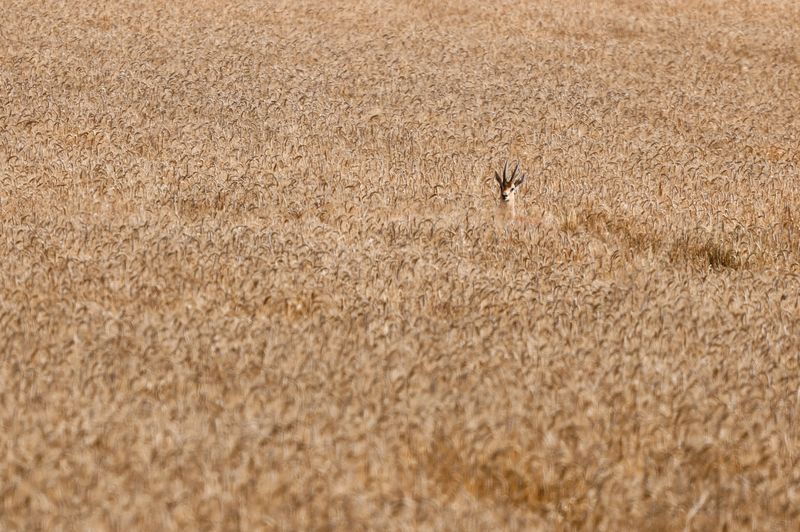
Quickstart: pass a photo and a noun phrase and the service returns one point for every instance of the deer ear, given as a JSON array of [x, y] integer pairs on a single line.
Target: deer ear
[[520, 180], [497, 178]]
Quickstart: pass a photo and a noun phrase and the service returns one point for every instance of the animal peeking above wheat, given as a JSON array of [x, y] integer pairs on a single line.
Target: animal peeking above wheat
[[509, 185], [508, 189]]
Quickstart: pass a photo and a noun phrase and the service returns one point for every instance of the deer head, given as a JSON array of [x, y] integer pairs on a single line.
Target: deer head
[[508, 185]]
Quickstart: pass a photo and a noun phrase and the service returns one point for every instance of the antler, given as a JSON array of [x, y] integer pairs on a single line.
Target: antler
[[514, 173], [504, 179], [509, 178]]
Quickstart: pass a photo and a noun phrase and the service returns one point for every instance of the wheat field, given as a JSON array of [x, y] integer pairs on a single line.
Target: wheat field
[[253, 277]]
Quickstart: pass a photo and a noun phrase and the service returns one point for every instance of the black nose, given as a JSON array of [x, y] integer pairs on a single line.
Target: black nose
[[504, 196]]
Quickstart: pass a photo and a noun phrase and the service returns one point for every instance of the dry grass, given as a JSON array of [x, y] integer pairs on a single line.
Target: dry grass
[[251, 276]]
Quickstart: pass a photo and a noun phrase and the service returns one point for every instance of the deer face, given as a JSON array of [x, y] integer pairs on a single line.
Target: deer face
[[509, 183]]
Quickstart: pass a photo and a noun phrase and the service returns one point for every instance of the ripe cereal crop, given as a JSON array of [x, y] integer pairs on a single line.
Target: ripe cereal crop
[[253, 273]]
